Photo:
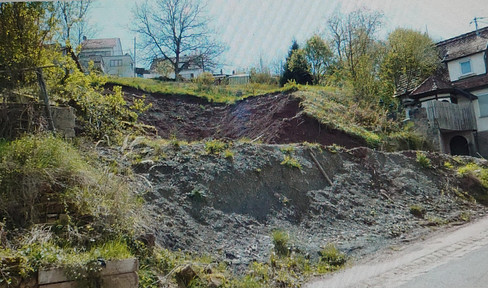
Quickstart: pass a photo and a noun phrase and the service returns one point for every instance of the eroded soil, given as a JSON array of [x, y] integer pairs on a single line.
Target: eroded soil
[[271, 119], [228, 206]]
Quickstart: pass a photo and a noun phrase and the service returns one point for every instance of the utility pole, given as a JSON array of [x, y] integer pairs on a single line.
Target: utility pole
[[135, 75], [475, 20]]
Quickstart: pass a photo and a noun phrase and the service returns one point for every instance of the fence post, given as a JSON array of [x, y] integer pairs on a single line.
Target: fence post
[[45, 98]]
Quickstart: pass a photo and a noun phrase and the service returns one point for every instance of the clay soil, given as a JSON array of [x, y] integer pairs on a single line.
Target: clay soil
[[271, 119]]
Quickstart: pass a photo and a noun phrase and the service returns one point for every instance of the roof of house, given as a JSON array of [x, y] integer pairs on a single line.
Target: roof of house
[[99, 43], [463, 45]]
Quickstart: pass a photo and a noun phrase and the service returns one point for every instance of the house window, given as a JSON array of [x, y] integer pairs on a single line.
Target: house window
[[466, 67], [483, 103], [115, 63]]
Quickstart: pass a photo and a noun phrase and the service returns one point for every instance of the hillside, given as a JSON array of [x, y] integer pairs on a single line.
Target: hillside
[[266, 191], [226, 199], [293, 114]]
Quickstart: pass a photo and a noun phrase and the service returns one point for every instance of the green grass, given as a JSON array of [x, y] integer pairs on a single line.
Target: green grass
[[333, 108], [212, 93], [42, 175]]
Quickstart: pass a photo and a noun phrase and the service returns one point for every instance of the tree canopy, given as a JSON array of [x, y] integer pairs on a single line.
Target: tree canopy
[[171, 29], [296, 67], [26, 29], [410, 56], [320, 57]]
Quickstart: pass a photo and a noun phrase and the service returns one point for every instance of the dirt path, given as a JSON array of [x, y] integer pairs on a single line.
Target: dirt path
[[395, 268]]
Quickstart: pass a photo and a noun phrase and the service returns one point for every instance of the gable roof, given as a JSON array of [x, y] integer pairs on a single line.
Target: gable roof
[[463, 45], [99, 43]]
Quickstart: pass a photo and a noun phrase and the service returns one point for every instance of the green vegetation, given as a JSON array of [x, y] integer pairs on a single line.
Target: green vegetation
[[332, 256], [417, 210], [423, 160], [475, 171], [212, 93], [291, 162], [42, 176], [280, 242], [216, 147]]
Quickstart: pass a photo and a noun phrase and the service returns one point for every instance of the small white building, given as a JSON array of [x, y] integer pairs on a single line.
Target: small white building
[[455, 99], [107, 56], [190, 67]]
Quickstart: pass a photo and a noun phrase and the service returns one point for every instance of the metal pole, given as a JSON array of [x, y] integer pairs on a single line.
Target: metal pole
[[135, 75]]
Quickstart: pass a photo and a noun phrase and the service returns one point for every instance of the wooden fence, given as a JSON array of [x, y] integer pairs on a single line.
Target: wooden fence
[[452, 117]]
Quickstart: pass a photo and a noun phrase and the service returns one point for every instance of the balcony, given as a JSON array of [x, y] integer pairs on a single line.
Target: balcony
[[451, 117]]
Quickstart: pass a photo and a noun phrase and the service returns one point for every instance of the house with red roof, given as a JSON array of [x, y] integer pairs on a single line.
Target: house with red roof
[[107, 56], [451, 106]]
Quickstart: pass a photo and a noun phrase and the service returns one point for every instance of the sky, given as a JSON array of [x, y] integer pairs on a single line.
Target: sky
[[265, 29]]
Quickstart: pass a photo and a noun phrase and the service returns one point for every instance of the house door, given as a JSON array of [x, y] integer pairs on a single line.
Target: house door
[[459, 146]]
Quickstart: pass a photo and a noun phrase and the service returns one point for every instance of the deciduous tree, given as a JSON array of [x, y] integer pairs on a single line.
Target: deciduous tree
[[26, 27], [170, 29], [72, 17], [410, 56], [320, 57]]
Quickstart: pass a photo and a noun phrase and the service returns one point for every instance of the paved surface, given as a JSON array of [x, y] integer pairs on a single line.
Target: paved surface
[[455, 258]]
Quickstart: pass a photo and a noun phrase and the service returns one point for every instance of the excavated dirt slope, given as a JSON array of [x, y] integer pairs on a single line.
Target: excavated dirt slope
[[228, 207], [273, 119], [228, 204]]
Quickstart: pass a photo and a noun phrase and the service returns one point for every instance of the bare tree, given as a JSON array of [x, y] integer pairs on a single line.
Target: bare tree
[[72, 16], [354, 35], [170, 29]]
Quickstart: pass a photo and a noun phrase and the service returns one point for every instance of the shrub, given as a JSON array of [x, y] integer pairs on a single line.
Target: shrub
[[332, 256], [423, 160], [99, 113], [215, 146], [280, 242], [417, 211], [204, 81], [291, 162]]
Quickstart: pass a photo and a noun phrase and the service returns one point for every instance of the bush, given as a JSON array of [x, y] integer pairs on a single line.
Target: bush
[[37, 170], [423, 160], [280, 242], [100, 113], [417, 211], [205, 79], [332, 256]]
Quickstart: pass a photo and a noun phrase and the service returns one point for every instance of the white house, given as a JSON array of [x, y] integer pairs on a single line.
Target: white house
[[107, 56], [190, 67], [452, 105]]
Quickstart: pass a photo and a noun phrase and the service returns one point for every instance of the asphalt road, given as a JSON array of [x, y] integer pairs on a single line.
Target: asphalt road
[[471, 270], [457, 257]]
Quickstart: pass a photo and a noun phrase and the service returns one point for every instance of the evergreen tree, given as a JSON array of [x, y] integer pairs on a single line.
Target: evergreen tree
[[296, 67]]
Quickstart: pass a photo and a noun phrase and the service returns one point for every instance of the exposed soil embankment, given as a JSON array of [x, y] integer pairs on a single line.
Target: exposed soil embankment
[[273, 119], [229, 206]]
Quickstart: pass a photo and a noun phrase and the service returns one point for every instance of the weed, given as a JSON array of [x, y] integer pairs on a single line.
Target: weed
[[228, 154], [288, 150], [280, 242], [423, 160], [215, 147], [465, 216], [448, 165], [291, 162], [332, 256], [417, 211]]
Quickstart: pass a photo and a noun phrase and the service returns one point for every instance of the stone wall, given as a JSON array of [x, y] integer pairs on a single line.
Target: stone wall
[[483, 143], [17, 119], [424, 127]]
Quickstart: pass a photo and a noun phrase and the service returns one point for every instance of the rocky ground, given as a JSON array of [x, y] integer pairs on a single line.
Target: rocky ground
[[226, 202]]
